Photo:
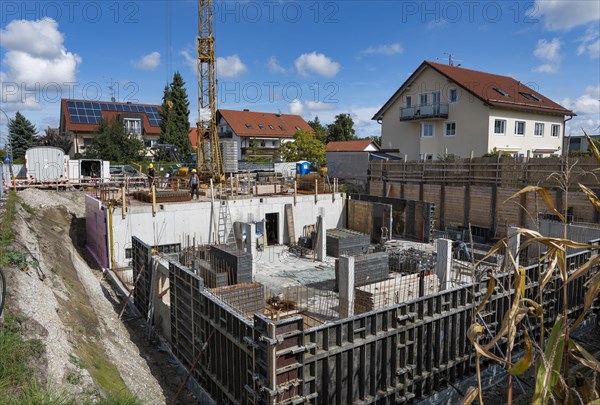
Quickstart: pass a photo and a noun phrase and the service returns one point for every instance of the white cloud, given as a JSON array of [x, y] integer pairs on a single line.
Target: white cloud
[[549, 53], [587, 108], [148, 62], [391, 49], [274, 66], [561, 15], [320, 106], [296, 107], [189, 60], [230, 66], [590, 43], [316, 63], [36, 62]]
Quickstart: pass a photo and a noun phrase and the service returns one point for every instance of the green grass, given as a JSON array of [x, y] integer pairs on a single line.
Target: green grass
[[6, 233], [28, 208]]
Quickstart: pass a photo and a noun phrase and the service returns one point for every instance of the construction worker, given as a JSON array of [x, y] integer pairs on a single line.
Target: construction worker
[[151, 175], [194, 183]]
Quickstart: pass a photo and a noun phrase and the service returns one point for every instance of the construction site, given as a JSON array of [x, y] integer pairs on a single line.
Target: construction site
[[271, 288], [302, 294]]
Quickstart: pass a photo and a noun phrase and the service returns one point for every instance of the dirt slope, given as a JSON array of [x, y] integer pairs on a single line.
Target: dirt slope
[[71, 307]]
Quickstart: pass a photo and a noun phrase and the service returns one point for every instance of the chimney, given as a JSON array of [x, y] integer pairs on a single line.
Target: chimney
[[245, 109]]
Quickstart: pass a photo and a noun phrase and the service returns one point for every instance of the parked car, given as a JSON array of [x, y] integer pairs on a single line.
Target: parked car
[[124, 171]]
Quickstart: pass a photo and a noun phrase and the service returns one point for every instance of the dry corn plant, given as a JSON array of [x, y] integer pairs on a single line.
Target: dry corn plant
[[552, 351]]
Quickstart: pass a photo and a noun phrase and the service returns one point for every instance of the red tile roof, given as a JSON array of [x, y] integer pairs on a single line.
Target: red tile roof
[[264, 125], [358, 145], [149, 130], [483, 86], [194, 138]]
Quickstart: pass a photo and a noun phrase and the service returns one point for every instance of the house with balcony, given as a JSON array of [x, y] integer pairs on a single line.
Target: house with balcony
[[442, 109], [258, 134], [81, 120]]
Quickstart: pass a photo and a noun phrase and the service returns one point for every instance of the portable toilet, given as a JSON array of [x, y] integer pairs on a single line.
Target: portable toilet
[[302, 168]]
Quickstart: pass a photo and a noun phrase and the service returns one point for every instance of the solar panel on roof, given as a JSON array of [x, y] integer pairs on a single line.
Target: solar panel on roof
[[79, 104], [70, 104], [119, 107], [111, 107], [103, 106], [75, 119], [87, 104], [72, 110]]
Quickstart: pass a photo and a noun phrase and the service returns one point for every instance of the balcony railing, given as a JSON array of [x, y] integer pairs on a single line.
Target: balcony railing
[[424, 111]]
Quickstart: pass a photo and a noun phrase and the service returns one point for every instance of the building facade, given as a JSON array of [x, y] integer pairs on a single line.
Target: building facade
[[442, 110], [81, 120], [258, 134]]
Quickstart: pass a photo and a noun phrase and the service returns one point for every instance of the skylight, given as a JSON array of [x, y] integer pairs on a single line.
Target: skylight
[[282, 128], [261, 126], [530, 96], [505, 94], [271, 127], [249, 126]]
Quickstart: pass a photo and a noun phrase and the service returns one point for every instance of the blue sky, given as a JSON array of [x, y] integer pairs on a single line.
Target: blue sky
[[306, 57]]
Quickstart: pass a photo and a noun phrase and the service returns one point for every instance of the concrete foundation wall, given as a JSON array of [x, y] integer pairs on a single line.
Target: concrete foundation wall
[[174, 220]]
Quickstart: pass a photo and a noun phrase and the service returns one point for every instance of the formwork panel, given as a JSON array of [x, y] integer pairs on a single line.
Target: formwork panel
[[411, 192], [454, 205], [480, 213]]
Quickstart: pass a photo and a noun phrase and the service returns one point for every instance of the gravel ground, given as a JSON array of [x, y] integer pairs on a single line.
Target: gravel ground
[[47, 297]]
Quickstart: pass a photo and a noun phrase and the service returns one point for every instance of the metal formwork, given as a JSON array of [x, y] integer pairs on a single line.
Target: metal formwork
[[396, 354]]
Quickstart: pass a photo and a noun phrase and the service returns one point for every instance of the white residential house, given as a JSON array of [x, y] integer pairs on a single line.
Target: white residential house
[[258, 134], [445, 109]]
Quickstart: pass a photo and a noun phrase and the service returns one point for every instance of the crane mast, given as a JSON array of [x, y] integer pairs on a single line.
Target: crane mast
[[209, 164]]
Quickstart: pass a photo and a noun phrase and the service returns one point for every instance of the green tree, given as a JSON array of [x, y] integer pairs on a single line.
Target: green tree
[[21, 135], [320, 130], [115, 144], [306, 146], [342, 129], [175, 115], [52, 137]]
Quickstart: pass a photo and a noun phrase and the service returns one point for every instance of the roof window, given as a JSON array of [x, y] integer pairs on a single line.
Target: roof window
[[505, 94], [261, 126], [282, 128], [271, 127], [249, 126], [530, 96]]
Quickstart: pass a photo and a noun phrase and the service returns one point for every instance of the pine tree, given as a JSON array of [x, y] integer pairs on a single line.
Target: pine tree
[[21, 135], [175, 115], [115, 144]]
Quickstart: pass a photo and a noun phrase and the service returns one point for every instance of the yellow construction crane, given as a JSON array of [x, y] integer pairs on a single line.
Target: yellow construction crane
[[209, 164]]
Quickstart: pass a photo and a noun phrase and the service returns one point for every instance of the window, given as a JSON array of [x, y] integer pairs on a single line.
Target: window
[[282, 128], [133, 126], [530, 96], [423, 99], [452, 95], [408, 101], [429, 156], [271, 127], [450, 129], [539, 129], [262, 144], [500, 127], [261, 126], [502, 92], [249, 126], [298, 129], [555, 133], [427, 130], [520, 128]]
